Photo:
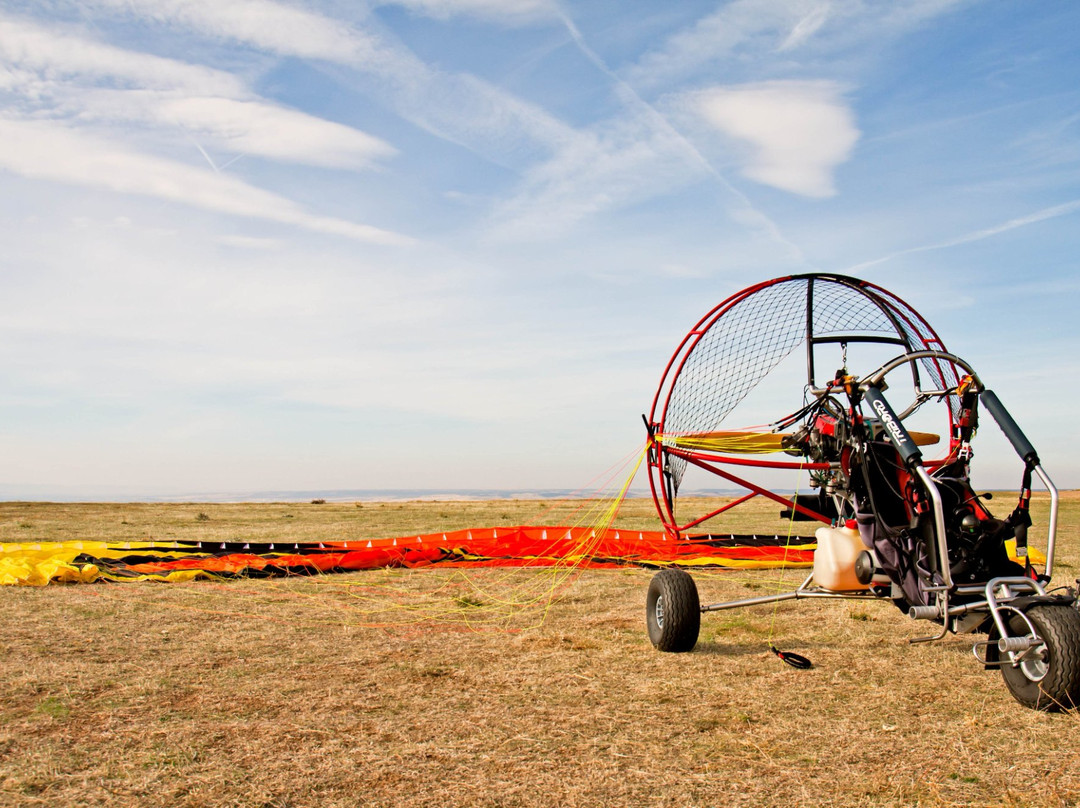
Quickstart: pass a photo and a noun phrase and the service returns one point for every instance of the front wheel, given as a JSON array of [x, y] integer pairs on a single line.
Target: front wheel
[[1047, 676], [673, 612]]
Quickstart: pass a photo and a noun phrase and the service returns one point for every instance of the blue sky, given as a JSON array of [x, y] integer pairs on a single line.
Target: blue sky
[[451, 244]]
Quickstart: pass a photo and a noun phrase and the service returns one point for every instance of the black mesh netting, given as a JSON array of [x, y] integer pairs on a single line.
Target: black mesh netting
[[747, 339]]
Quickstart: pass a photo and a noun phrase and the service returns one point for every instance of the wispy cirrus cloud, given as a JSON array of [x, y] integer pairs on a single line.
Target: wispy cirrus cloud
[[564, 170], [514, 12], [240, 126], [760, 25], [457, 107], [38, 57], [72, 102], [806, 27], [68, 76], [49, 150], [568, 174], [613, 166], [754, 29], [275, 26]]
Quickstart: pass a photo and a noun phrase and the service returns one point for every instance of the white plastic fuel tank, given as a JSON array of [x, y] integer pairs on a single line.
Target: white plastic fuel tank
[[834, 559]]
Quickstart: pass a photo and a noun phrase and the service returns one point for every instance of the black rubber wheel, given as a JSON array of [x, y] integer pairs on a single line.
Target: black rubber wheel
[[1048, 676], [673, 612]]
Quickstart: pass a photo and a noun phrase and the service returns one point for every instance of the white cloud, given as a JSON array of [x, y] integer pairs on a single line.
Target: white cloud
[[568, 174], [806, 27], [251, 127], [760, 28], [457, 107], [619, 165], [275, 26], [49, 58], [50, 151], [795, 132], [269, 130], [92, 92], [74, 77], [510, 11], [765, 24]]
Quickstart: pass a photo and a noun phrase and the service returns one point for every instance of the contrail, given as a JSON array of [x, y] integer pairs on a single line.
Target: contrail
[[977, 235], [202, 151], [632, 97]]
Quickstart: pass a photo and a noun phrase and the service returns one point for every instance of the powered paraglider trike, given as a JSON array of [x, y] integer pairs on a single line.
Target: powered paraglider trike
[[895, 525]]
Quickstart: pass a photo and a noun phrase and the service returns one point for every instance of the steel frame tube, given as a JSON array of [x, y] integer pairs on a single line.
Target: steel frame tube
[[1051, 530], [874, 379], [803, 592], [798, 594], [939, 525], [1007, 595]]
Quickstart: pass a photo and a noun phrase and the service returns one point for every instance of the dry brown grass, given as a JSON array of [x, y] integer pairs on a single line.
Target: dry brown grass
[[271, 693]]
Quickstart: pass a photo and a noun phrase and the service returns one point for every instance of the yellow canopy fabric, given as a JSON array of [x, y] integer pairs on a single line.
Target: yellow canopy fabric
[[727, 442], [744, 442], [38, 564], [1035, 555]]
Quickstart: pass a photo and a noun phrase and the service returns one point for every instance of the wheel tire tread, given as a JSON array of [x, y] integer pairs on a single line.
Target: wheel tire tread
[[682, 611], [1059, 626]]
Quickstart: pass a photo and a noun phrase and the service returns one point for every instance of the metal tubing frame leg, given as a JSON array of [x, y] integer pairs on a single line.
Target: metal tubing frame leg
[[804, 592]]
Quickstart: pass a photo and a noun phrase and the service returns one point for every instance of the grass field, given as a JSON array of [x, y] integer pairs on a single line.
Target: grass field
[[282, 693]]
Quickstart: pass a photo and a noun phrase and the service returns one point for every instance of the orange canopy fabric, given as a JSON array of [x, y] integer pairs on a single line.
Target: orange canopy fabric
[[520, 546]]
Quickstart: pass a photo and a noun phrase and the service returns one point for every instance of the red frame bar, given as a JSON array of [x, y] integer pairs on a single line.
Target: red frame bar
[[757, 489], [719, 511]]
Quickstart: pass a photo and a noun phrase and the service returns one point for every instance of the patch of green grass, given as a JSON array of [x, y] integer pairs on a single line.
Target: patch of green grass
[[53, 707], [734, 622], [964, 778]]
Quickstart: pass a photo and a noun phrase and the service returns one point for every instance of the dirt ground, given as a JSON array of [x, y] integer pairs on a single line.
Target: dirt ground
[[283, 693]]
